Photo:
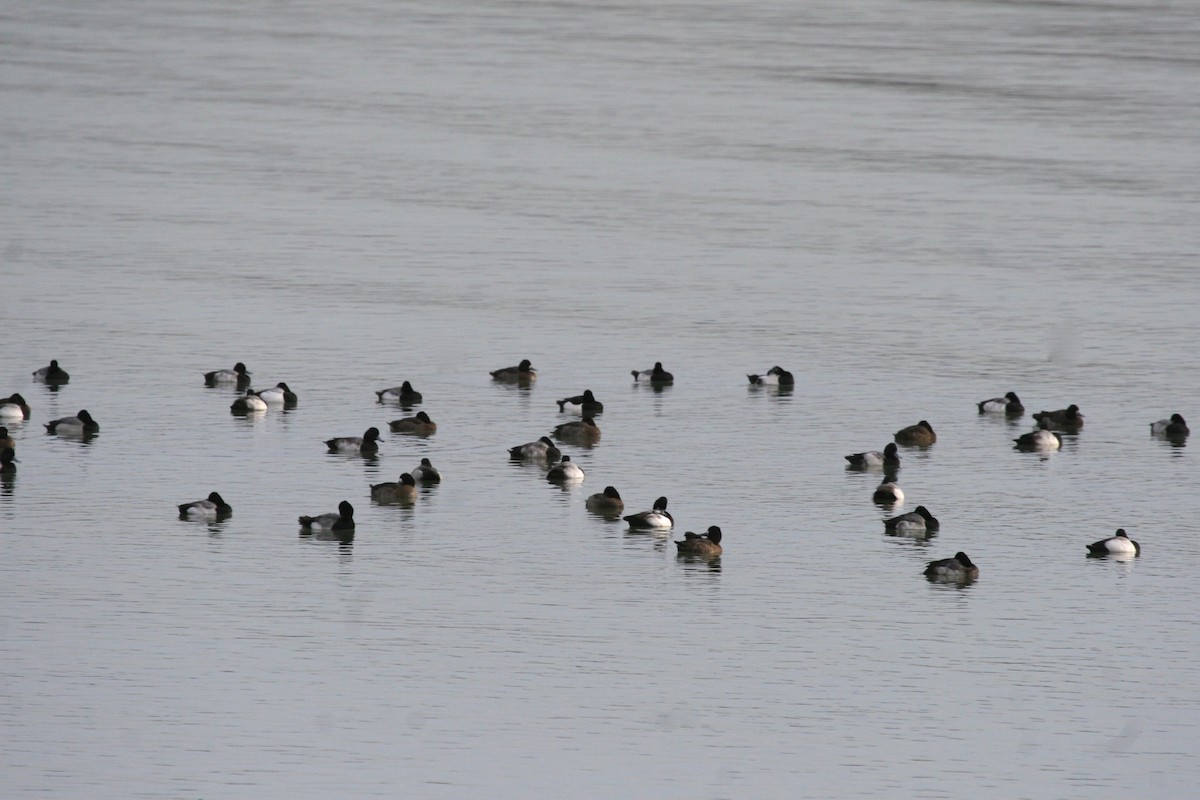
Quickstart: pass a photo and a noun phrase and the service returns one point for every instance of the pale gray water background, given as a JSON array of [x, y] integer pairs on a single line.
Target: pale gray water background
[[912, 205]]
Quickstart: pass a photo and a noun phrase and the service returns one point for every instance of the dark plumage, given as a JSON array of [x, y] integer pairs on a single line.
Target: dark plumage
[[426, 472], [607, 502], [343, 520], [280, 393], [402, 491], [1010, 405], [873, 458], [404, 394], [78, 424], [583, 431], [707, 545], [8, 461], [655, 375], [1175, 427], [585, 404], [657, 518], [918, 519], [52, 374], [919, 435], [775, 376], [542, 449], [1068, 418], [214, 507], [420, 424], [367, 443], [5, 439], [238, 375], [14, 407], [957, 569], [522, 373], [1041, 439]]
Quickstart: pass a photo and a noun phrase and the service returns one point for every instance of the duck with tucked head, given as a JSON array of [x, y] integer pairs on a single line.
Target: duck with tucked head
[[957, 570], [212, 508], [421, 425], [404, 394], [1041, 439], [583, 432], [608, 502], [566, 471], [14, 408], [1009, 405], [522, 373], [775, 376], [51, 374], [888, 493], [918, 520], [279, 395], [919, 435], [426, 472], [248, 403], [543, 449], [79, 425], [890, 457], [1119, 544], [342, 521], [367, 444], [658, 517], [707, 545], [585, 404], [238, 375], [655, 374], [1068, 419], [1173, 428], [402, 491]]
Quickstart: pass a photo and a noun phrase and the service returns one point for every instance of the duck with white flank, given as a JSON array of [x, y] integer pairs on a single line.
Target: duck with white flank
[[585, 404], [541, 450], [212, 508], [775, 376], [14, 408], [656, 518], [918, 520], [238, 376], [890, 457], [342, 521], [81, 424], [656, 374], [367, 444], [404, 394], [52, 374], [1009, 405], [426, 472], [279, 395], [248, 403], [1118, 544], [566, 471], [1039, 440], [1173, 428]]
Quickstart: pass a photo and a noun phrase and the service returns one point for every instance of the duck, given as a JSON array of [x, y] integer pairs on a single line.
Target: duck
[[343, 520], [655, 374], [367, 443], [959, 568], [426, 472], [238, 375], [707, 545], [14, 407], [920, 435], [522, 373], [565, 471], [1041, 439], [1117, 544], [585, 404], [402, 491], [248, 403], [1010, 405], [918, 520], [5, 439], [51, 374], [873, 458], [607, 502], [1173, 427], [656, 518], [213, 507], [1068, 418], [420, 424], [888, 493], [78, 425], [404, 394], [279, 394], [8, 461], [775, 376], [543, 448], [584, 431]]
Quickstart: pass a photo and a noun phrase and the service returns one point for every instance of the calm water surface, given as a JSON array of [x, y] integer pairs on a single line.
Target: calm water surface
[[911, 205]]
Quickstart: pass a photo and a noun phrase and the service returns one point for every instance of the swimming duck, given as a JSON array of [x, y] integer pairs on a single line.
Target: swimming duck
[[404, 394], [585, 404], [420, 424], [657, 518], [5, 439], [888, 493], [1173, 427], [608, 502], [8, 461], [873, 458], [543, 448], [343, 520], [918, 520], [565, 471], [1041, 439], [248, 403], [522, 373], [237, 375], [1010, 405], [957, 569], [776, 376], [51, 374], [656, 374], [402, 491], [426, 472], [78, 425], [14, 408], [920, 435], [1118, 544], [279, 394], [1067, 418], [584, 431], [211, 508], [707, 545], [367, 443]]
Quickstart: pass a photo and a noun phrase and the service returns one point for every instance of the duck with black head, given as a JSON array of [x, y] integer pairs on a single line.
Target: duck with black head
[[211, 508], [1119, 544], [959, 569], [522, 373], [342, 520], [238, 376], [402, 491], [404, 394], [367, 444], [52, 374], [14, 408], [608, 502], [657, 517], [706, 545], [655, 374], [1009, 405], [81, 424], [919, 435]]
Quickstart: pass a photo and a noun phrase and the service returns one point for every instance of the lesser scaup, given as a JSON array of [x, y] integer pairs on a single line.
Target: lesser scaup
[[917, 520], [919, 435], [14, 408], [248, 403], [607, 502], [657, 518], [656, 374], [51, 374], [214, 507], [873, 458], [775, 376], [888, 493], [585, 431], [421, 424], [1173, 427], [426, 472], [402, 491], [367, 443], [1009, 405], [565, 471], [8, 461], [707, 545], [541, 449], [1119, 544], [343, 520], [522, 373], [585, 404], [78, 425], [1067, 418], [1041, 439], [955, 569], [404, 394], [279, 394], [237, 375]]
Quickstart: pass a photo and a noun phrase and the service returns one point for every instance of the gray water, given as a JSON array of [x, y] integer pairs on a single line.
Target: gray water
[[912, 205]]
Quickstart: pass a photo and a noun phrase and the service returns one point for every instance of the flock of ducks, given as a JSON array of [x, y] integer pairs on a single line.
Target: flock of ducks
[[1047, 436]]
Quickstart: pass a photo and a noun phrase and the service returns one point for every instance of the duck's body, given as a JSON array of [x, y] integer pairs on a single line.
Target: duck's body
[[566, 471], [607, 502], [1039, 440], [368, 443], [1173, 427], [279, 395], [542, 449], [522, 373], [213, 507], [658, 517], [404, 394], [14, 408], [343, 520], [707, 545], [888, 493], [78, 425], [5, 439], [655, 374], [248, 403], [918, 520], [426, 472], [873, 458], [585, 431], [1067, 418], [402, 491], [1119, 544], [585, 404], [420, 424], [919, 435], [238, 375], [1009, 405], [8, 461], [51, 374], [775, 376], [955, 569]]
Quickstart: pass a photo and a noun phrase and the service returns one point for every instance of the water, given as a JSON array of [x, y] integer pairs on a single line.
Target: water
[[913, 206]]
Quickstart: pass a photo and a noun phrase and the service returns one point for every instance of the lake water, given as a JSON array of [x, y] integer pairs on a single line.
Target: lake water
[[911, 205]]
